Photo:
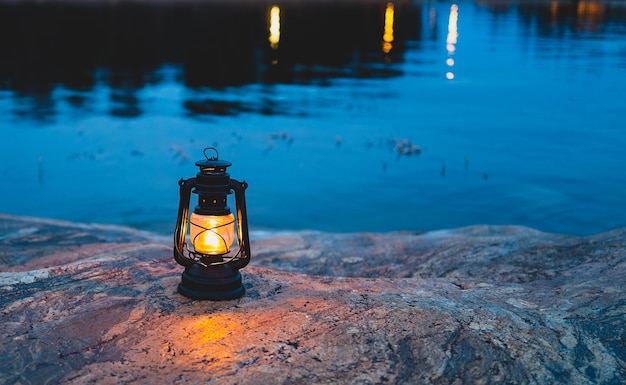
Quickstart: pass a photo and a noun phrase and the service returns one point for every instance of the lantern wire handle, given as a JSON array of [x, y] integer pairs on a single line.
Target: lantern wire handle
[[212, 157]]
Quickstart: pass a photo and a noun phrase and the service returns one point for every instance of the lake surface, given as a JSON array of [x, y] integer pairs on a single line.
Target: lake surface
[[359, 116]]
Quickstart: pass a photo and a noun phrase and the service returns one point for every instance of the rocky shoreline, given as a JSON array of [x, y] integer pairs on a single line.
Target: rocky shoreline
[[85, 303]]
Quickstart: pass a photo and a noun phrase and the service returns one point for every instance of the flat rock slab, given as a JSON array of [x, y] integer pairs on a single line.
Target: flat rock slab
[[479, 305]]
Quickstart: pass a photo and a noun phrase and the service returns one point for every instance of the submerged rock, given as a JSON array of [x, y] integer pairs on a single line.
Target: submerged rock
[[478, 305]]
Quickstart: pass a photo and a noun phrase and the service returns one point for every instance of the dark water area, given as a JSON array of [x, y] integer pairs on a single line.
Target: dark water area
[[341, 116]]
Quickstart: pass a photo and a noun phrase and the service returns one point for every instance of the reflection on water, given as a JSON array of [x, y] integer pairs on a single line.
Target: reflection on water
[[380, 115], [78, 46], [274, 38], [451, 40], [388, 29]]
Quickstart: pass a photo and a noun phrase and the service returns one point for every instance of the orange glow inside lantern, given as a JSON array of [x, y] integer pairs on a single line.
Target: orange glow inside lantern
[[211, 234]]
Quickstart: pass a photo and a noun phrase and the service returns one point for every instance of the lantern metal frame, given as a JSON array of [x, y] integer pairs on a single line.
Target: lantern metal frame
[[208, 276]]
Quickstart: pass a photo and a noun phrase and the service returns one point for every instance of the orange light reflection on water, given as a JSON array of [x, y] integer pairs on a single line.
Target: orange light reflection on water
[[388, 29], [590, 15], [274, 37]]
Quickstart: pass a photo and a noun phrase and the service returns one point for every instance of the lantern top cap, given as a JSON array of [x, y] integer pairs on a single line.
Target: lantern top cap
[[212, 161]]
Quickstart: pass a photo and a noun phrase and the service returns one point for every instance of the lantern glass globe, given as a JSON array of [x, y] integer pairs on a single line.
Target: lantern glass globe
[[212, 234]]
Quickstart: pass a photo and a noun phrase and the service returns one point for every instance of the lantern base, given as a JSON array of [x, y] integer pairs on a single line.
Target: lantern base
[[215, 283]]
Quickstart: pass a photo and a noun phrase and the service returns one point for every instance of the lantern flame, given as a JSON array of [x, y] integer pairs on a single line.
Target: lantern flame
[[212, 234]]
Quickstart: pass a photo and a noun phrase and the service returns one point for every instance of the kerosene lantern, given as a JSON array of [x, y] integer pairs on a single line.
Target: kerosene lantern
[[211, 266]]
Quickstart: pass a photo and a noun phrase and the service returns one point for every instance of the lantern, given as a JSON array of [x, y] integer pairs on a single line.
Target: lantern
[[211, 264]]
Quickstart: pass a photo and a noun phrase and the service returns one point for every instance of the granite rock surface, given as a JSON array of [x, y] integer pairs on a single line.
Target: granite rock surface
[[84, 303]]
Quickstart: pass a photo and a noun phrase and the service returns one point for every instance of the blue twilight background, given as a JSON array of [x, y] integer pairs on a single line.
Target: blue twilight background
[[361, 116]]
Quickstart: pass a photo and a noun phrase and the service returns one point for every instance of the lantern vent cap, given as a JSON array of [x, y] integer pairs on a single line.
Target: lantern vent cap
[[212, 163]]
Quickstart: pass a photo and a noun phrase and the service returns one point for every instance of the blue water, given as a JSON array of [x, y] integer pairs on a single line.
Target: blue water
[[525, 127]]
